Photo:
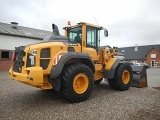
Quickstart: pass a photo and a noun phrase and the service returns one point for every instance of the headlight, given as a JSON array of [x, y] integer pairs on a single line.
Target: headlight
[[30, 60]]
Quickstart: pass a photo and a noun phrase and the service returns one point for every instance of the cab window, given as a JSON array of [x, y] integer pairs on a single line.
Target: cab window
[[75, 34], [91, 37]]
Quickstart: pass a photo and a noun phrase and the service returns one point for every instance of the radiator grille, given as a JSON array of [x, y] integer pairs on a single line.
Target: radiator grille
[[45, 58], [18, 59]]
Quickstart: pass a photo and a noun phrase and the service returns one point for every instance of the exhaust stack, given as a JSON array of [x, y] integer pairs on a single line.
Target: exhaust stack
[[55, 30]]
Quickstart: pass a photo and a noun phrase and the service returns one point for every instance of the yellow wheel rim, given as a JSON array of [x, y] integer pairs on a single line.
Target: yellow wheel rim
[[80, 83], [125, 76]]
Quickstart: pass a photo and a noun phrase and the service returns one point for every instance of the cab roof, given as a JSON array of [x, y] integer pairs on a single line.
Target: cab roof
[[83, 23]]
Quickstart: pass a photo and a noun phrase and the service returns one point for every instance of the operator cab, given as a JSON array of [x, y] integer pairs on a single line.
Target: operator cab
[[85, 33], [75, 34]]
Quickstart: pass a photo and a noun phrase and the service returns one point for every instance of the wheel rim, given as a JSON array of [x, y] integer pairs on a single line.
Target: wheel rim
[[80, 83], [125, 76]]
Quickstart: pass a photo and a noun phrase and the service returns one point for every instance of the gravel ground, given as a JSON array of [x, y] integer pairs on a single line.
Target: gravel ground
[[21, 102]]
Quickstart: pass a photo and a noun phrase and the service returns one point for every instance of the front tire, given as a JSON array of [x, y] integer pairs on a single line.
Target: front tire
[[77, 82], [122, 78]]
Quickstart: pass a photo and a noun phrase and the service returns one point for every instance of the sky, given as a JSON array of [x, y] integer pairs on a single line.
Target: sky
[[129, 22]]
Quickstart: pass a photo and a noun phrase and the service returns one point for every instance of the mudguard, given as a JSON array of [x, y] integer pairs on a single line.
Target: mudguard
[[84, 57], [109, 74]]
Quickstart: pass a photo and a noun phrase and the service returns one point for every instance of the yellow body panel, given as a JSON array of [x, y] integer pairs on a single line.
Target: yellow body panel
[[98, 75], [98, 67], [56, 48], [89, 24], [92, 52], [34, 78], [110, 63], [84, 37], [40, 77], [85, 24], [99, 72]]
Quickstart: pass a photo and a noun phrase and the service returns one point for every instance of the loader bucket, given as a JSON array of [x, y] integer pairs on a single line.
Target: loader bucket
[[139, 76]]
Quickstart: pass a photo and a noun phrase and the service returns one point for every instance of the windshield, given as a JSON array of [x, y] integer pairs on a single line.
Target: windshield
[[75, 34]]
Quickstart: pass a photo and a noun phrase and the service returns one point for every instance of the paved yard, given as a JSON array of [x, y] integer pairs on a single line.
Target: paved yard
[[22, 102]]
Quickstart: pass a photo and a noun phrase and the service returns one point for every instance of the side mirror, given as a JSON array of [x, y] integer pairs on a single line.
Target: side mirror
[[105, 33]]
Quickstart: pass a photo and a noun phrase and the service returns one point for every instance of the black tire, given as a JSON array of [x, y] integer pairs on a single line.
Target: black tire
[[122, 78], [98, 81], [77, 82]]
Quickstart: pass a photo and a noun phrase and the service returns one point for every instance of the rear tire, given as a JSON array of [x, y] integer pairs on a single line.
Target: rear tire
[[77, 82], [122, 78]]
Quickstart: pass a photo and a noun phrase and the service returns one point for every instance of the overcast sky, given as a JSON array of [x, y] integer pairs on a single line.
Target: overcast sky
[[129, 22]]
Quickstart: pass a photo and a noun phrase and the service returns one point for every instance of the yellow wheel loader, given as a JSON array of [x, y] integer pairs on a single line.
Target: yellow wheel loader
[[71, 63]]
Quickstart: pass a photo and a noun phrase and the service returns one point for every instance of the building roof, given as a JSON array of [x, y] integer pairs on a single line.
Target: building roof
[[137, 52], [20, 31]]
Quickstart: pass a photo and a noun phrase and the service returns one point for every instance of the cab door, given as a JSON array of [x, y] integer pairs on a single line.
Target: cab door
[[90, 42]]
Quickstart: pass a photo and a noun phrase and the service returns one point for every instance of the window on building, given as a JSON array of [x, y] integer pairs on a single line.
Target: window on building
[[123, 50], [136, 48], [5, 54], [153, 55]]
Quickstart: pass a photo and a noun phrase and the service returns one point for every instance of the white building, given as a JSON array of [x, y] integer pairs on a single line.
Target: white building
[[12, 35]]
